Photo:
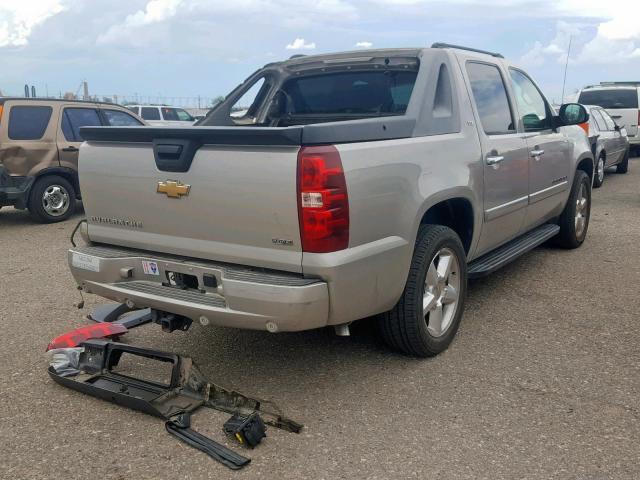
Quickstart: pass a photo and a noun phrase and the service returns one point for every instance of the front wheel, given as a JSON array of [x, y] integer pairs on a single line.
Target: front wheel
[[427, 316], [574, 220]]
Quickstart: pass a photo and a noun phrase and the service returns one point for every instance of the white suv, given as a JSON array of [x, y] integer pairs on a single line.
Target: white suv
[[621, 100], [161, 115]]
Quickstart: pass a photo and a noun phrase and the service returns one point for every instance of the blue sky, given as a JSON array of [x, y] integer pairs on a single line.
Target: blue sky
[[185, 48]]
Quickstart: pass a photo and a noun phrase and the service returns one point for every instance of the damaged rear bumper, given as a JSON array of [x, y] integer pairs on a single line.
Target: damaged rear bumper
[[226, 295], [14, 190]]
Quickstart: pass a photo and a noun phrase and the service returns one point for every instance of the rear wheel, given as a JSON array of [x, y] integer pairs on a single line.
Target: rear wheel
[[427, 316], [52, 199], [574, 220], [623, 166], [598, 178]]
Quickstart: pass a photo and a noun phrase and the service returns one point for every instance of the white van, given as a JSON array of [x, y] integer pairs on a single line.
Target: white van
[[621, 100], [162, 115]]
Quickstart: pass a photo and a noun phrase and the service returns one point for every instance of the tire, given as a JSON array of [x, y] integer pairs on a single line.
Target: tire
[[52, 199], [623, 166], [574, 220], [406, 328], [598, 176]]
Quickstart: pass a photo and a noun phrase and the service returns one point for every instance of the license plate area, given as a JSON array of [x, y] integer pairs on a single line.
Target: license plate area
[[184, 281]]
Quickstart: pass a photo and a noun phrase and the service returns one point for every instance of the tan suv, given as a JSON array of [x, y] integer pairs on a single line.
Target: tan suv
[[39, 141]]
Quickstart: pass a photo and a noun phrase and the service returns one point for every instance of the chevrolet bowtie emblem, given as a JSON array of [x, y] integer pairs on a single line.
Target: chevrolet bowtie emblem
[[173, 188]]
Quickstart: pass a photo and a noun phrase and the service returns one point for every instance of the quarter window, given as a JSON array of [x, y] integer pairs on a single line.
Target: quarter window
[[491, 98], [74, 118], [28, 122], [150, 113], [531, 104]]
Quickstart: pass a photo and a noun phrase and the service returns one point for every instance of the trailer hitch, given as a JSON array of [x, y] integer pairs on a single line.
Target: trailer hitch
[[174, 402]]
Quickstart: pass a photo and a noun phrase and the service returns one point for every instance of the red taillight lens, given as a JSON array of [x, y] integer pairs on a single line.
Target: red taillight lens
[[323, 204], [79, 335]]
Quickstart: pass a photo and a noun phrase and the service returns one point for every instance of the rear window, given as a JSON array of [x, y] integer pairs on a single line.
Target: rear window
[[611, 98], [150, 113], [28, 122], [386, 92]]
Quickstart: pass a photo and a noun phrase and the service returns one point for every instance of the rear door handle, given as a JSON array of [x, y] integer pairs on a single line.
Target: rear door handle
[[70, 149], [494, 159], [537, 153]]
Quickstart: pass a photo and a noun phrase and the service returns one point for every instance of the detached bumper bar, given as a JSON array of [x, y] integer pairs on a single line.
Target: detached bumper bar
[[226, 295]]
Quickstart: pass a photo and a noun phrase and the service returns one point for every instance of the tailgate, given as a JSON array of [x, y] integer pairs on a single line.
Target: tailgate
[[233, 204]]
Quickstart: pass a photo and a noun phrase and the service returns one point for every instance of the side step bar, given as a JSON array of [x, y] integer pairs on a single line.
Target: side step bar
[[508, 252]]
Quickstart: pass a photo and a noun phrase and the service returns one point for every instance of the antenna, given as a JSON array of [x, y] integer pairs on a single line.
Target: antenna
[[566, 65]]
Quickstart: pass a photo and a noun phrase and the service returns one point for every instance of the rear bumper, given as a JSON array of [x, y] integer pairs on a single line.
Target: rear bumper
[[14, 190], [242, 298]]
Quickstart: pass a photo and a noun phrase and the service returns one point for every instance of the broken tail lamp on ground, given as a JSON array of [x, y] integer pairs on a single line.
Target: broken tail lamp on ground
[[90, 368]]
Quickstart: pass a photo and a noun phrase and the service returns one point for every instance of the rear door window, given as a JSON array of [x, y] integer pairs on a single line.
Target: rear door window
[[611, 125], [150, 113], [169, 114], [74, 118], [491, 98], [117, 118], [28, 122], [610, 98]]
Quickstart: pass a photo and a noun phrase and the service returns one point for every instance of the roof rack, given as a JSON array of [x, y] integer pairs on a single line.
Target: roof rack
[[297, 55], [448, 45]]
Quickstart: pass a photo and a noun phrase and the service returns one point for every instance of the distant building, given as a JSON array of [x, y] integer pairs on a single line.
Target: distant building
[[69, 96]]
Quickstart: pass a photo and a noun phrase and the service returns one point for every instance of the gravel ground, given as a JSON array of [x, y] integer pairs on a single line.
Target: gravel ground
[[543, 380]]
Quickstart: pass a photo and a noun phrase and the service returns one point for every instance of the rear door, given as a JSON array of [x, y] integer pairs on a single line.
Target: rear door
[[505, 155], [550, 153], [620, 102], [72, 118]]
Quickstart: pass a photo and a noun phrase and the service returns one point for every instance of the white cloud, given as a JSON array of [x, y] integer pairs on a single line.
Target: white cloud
[[364, 45], [154, 12], [300, 44], [19, 17]]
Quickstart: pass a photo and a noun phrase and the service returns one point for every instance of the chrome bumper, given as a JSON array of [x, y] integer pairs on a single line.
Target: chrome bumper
[[241, 298]]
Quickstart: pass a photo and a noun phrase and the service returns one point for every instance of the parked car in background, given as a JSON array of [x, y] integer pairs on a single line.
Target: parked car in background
[[622, 102], [609, 143], [162, 115], [39, 143], [353, 185]]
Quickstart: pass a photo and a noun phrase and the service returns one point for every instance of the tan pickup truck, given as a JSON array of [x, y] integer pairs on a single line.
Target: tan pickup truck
[[39, 143]]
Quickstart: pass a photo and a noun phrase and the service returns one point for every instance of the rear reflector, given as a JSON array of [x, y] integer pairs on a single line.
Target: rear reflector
[[79, 335], [323, 204]]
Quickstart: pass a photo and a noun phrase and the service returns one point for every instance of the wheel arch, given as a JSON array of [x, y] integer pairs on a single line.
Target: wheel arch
[[586, 164], [456, 213], [68, 174]]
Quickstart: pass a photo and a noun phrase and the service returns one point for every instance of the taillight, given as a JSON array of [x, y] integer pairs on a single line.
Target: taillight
[[79, 335], [323, 204], [1, 106]]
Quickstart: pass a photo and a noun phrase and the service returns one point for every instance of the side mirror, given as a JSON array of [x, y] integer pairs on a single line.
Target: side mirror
[[572, 114]]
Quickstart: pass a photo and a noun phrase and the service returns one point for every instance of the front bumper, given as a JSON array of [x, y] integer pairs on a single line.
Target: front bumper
[[247, 298], [14, 190]]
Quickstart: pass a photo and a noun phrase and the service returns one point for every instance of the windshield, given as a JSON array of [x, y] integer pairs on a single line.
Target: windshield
[[366, 92], [610, 98]]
